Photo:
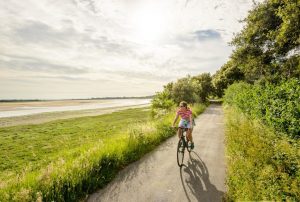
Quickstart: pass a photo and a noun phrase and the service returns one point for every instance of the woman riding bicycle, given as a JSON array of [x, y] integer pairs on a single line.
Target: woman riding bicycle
[[186, 121]]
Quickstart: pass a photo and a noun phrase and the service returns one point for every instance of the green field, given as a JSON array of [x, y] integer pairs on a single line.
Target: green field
[[34, 146], [28, 150]]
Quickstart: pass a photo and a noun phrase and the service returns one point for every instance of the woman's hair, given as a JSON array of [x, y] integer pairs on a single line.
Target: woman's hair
[[183, 103]]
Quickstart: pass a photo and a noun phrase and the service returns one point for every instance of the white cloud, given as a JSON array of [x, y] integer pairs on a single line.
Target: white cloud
[[133, 47]]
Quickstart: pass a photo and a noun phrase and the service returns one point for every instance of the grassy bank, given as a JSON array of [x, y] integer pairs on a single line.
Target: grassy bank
[[262, 165], [67, 159]]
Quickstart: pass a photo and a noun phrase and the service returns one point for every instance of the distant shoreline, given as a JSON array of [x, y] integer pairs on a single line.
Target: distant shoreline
[[11, 109], [53, 116], [101, 98]]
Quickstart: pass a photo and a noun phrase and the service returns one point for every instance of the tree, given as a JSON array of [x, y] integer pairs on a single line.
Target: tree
[[161, 103], [185, 89], [269, 42], [227, 75], [205, 87]]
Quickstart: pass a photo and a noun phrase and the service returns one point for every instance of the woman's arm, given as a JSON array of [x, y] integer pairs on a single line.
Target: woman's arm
[[191, 120], [176, 118]]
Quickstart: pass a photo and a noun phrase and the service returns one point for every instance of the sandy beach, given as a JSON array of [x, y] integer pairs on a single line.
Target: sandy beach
[[8, 106], [51, 116]]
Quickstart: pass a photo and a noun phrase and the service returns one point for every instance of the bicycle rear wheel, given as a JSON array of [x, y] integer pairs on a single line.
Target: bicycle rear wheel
[[180, 152]]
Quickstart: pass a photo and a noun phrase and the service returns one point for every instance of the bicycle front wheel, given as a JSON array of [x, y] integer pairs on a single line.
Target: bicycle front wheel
[[180, 152], [188, 146]]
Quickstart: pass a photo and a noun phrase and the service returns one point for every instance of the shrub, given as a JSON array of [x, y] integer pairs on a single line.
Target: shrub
[[276, 105]]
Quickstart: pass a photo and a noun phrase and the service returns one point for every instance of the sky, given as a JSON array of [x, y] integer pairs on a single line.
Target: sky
[[60, 49]]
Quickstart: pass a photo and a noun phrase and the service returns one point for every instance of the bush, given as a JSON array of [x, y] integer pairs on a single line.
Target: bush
[[276, 105], [161, 104]]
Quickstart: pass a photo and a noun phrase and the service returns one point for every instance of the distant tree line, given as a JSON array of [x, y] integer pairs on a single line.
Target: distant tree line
[[124, 97], [94, 98], [21, 100]]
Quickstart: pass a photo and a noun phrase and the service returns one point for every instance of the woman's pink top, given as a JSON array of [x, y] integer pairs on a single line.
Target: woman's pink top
[[184, 114]]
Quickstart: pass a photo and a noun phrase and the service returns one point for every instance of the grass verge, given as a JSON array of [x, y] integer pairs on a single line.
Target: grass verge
[[262, 165]]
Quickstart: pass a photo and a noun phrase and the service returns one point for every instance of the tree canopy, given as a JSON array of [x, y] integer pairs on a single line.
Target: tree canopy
[[268, 47]]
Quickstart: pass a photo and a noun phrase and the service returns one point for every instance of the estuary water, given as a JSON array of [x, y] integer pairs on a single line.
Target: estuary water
[[28, 108]]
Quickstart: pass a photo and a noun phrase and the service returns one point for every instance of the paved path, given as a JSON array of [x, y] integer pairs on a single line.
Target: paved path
[[157, 177]]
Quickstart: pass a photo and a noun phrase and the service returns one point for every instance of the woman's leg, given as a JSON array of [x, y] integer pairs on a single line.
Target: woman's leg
[[189, 135], [179, 132]]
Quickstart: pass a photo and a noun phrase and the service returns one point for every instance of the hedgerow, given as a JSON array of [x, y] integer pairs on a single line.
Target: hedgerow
[[278, 106]]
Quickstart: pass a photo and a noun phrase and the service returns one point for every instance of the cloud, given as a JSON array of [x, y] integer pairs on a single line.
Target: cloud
[[40, 33], [33, 65], [143, 76], [37, 32], [209, 34], [218, 6], [88, 4]]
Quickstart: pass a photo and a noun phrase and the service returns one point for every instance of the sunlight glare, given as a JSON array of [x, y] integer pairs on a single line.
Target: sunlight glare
[[148, 24]]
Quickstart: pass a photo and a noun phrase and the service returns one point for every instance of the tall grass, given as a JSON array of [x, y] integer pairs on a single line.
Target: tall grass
[[80, 169], [198, 108], [262, 165]]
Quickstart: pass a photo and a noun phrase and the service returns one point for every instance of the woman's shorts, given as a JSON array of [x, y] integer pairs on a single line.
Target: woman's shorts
[[184, 124]]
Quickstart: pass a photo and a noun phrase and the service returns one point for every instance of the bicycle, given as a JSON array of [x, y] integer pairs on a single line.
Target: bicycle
[[183, 144]]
